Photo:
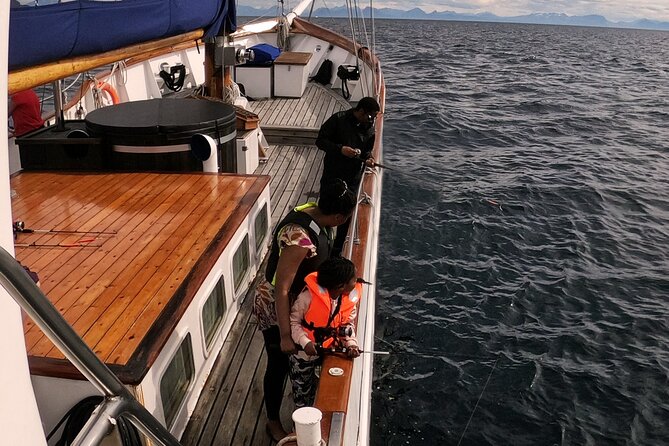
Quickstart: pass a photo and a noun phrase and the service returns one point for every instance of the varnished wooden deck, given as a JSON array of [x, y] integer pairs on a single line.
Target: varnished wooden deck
[[161, 231], [230, 410]]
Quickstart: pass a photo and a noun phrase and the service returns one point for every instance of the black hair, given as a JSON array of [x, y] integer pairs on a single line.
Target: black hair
[[368, 104], [336, 198], [335, 272]]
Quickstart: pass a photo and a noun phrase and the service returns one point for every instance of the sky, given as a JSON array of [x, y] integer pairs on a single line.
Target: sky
[[614, 10]]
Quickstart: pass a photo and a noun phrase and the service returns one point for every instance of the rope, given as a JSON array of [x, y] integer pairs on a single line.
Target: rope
[[357, 12], [371, 17], [366, 92], [231, 93], [46, 98], [282, 34]]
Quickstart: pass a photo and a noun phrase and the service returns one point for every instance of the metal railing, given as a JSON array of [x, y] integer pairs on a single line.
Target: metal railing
[[361, 198], [118, 400]]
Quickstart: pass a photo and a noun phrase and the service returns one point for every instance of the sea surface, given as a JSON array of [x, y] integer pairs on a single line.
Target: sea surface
[[524, 259]]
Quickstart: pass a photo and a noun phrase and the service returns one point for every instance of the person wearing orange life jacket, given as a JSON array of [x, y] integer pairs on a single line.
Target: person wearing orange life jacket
[[301, 242], [322, 316]]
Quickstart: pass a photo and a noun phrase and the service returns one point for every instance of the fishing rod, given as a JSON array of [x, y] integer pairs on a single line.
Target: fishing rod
[[20, 227], [492, 370], [344, 350], [432, 353], [401, 172], [56, 245]]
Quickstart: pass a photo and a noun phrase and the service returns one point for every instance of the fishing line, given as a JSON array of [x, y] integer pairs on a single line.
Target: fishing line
[[432, 353], [479, 399], [441, 184], [407, 174]]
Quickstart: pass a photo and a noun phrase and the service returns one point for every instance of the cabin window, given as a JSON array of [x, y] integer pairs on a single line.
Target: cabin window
[[240, 263], [213, 312], [260, 227], [176, 380]]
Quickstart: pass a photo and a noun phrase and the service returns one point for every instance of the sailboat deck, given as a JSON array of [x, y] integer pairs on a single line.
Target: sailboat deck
[[297, 120], [230, 410]]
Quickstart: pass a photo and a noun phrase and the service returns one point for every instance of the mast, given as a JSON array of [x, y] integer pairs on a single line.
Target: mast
[[19, 419], [217, 75]]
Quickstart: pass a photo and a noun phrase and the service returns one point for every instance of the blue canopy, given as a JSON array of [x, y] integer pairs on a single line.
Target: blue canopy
[[46, 33]]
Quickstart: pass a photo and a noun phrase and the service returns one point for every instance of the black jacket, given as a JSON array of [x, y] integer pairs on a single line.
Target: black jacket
[[343, 129], [320, 237]]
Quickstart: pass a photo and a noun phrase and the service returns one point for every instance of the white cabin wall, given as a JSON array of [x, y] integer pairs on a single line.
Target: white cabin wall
[[191, 323], [19, 418], [339, 56], [320, 50]]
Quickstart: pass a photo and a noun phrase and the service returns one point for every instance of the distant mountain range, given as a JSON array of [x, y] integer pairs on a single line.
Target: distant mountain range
[[419, 14]]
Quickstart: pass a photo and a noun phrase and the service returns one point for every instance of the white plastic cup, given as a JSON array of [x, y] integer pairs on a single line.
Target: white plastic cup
[[308, 426]]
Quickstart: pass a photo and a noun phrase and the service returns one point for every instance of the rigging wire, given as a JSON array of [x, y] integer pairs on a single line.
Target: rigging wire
[[331, 21], [371, 15], [257, 19], [362, 37], [311, 10], [353, 32], [46, 98]]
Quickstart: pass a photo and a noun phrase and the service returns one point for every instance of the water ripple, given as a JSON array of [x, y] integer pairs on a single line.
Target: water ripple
[[530, 235]]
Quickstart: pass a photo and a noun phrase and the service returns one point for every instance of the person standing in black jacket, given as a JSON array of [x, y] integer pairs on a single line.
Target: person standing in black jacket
[[347, 138]]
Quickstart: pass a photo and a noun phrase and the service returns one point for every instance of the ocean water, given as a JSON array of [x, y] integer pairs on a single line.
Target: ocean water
[[524, 260]]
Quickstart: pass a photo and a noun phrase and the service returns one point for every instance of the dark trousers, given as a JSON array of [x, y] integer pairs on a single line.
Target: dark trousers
[[340, 238], [342, 229], [275, 373]]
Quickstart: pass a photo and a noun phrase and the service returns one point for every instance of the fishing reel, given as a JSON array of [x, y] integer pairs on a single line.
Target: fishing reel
[[323, 334], [18, 226], [234, 55], [345, 332]]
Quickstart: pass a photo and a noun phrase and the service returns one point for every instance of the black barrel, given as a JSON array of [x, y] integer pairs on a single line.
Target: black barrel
[[155, 134]]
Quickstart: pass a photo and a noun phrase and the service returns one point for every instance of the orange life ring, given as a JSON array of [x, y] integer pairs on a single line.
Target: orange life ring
[[104, 86]]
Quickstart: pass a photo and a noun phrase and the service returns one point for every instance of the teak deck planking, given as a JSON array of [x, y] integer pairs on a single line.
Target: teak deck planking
[[164, 224]]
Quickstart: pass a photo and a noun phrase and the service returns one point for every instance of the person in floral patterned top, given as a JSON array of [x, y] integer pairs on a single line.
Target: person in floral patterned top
[[301, 242]]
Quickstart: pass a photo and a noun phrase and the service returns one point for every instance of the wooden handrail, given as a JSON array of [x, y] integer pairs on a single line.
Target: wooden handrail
[[31, 77], [333, 392]]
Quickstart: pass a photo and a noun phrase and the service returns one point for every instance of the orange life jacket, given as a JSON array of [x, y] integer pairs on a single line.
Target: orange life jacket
[[318, 316]]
